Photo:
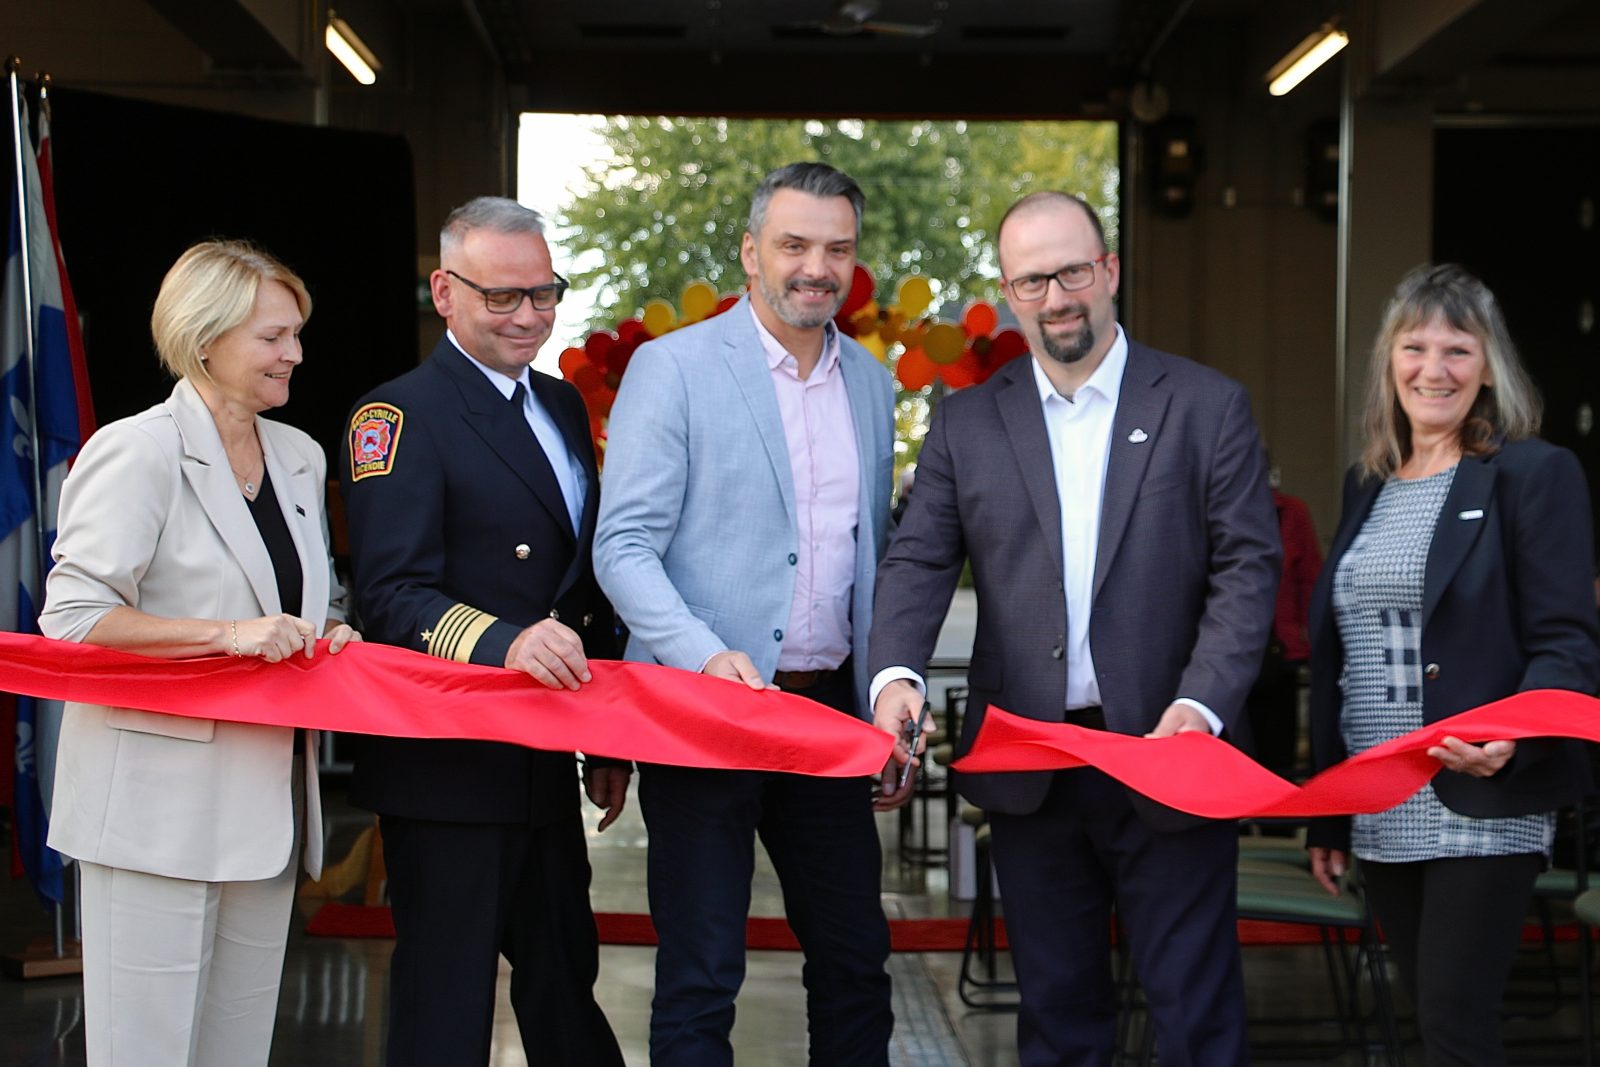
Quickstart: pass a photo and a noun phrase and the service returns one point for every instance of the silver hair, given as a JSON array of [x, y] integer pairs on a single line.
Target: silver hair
[[497, 213]]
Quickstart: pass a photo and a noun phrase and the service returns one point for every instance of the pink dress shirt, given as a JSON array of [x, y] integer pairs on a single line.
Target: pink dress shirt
[[821, 436]]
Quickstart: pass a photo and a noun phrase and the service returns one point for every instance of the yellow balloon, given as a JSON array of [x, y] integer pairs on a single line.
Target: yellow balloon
[[659, 317], [914, 295], [874, 344], [699, 300], [944, 342]]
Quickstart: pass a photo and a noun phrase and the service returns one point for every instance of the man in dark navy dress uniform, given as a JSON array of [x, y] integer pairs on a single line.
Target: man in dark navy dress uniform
[[471, 491]]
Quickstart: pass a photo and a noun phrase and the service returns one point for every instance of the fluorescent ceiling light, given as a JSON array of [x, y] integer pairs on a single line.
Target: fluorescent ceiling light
[[1304, 58], [349, 49]]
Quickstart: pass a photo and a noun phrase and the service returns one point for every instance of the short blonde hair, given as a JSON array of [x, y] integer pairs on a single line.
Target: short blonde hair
[[1510, 410], [210, 290]]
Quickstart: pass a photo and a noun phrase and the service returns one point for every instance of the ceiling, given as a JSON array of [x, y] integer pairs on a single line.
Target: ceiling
[[1011, 58], [778, 56], [934, 58]]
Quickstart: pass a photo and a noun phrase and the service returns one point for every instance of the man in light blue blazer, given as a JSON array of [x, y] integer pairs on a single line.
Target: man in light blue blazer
[[745, 506]]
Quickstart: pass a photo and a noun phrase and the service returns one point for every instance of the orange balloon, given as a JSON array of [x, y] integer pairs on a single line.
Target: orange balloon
[[944, 342], [980, 318], [915, 370]]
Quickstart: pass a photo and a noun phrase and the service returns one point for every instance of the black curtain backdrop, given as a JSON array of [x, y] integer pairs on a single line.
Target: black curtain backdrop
[[1509, 205], [137, 183]]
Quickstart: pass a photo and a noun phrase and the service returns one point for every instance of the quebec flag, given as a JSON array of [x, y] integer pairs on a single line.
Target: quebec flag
[[39, 436]]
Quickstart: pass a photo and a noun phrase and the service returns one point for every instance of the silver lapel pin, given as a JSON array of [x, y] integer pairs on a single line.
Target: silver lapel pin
[[1138, 437]]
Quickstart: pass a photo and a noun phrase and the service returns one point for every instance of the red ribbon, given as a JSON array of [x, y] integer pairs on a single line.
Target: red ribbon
[[1204, 775], [629, 711], [660, 715]]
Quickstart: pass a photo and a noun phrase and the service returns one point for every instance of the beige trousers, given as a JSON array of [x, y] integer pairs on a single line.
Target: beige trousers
[[183, 974]]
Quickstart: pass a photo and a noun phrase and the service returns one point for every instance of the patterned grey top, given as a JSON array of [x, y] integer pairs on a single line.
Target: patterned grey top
[[1377, 599]]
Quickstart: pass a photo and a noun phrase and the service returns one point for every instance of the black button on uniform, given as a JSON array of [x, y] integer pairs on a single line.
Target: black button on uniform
[[793, 559], [777, 635]]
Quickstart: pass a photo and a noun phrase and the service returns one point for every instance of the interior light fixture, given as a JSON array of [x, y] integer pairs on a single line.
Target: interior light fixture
[[350, 50], [1305, 57]]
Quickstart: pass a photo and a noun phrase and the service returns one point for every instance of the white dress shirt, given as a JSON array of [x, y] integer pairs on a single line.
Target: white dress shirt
[[1079, 429], [568, 467]]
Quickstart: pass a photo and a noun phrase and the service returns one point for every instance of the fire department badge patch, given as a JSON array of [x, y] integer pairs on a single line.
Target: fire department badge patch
[[374, 440]]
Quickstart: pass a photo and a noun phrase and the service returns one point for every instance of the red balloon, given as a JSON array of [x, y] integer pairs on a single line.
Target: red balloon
[[571, 360], [598, 346], [1007, 344], [963, 372], [621, 352], [590, 380], [915, 370], [861, 289], [727, 301], [628, 329], [980, 318]]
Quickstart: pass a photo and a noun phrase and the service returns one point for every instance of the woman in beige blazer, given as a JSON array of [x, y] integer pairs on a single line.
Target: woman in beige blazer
[[194, 528]]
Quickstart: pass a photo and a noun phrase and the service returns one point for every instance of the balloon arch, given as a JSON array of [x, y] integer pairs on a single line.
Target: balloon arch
[[924, 349]]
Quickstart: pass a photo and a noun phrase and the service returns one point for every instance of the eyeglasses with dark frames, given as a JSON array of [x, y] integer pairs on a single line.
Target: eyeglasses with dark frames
[[506, 300], [1071, 278]]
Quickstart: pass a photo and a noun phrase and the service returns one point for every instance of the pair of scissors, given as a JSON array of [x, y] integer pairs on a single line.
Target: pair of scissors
[[913, 732]]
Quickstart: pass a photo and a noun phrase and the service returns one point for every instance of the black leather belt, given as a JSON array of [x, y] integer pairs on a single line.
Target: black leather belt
[[1089, 718], [792, 680]]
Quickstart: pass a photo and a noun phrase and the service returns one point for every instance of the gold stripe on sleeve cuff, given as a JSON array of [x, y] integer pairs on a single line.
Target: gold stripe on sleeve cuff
[[457, 633]]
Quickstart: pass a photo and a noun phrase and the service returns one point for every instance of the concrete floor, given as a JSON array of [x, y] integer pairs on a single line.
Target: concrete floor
[[331, 1010], [334, 991]]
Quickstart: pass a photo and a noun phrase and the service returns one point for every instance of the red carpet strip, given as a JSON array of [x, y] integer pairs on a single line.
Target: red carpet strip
[[634, 928], [905, 935]]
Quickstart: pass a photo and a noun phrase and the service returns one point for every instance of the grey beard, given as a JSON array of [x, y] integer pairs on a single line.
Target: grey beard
[[1069, 352], [778, 300]]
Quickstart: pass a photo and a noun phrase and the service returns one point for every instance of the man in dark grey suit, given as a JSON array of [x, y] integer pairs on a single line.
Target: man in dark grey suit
[[1113, 502]]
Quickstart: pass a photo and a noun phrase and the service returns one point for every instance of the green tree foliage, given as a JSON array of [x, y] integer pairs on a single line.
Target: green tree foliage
[[670, 206]]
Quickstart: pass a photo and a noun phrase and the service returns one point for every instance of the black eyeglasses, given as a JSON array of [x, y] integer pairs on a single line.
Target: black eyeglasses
[[1071, 278], [504, 301]]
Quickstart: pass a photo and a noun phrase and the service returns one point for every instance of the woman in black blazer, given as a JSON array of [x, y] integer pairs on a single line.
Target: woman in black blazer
[[1459, 574]]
